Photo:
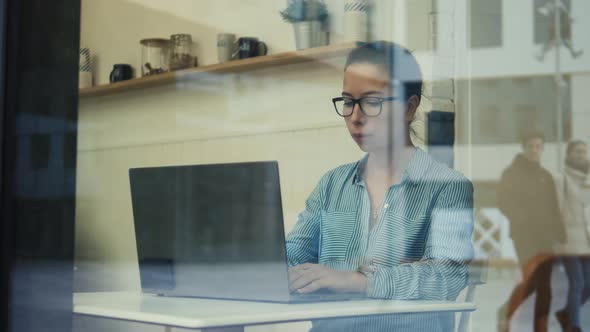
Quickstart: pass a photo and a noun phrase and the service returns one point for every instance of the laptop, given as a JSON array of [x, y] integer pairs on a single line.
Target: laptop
[[213, 231]]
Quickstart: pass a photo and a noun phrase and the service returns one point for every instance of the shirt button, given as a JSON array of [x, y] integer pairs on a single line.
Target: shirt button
[[385, 206]]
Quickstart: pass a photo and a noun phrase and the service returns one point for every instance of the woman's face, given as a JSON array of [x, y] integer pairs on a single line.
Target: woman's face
[[578, 155], [368, 80]]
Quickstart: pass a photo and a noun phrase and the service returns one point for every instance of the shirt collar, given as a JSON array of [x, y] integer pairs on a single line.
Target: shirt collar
[[413, 173], [360, 168]]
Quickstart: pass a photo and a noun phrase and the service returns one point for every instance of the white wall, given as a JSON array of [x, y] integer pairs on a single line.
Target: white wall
[[516, 56], [580, 107]]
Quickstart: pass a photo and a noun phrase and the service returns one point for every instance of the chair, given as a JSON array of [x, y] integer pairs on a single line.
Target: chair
[[477, 275], [441, 136]]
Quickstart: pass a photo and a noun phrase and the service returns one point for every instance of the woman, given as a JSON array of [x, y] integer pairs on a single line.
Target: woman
[[394, 225], [574, 196]]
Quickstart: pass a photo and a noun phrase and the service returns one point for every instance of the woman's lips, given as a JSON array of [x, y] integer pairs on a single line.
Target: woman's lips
[[359, 137]]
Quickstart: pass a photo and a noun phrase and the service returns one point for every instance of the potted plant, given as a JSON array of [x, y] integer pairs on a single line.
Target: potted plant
[[308, 17]]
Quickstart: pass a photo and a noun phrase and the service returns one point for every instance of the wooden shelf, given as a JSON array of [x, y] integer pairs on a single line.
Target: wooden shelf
[[237, 66]]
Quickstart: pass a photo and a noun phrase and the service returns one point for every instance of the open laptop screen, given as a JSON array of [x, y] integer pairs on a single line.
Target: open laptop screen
[[205, 215]]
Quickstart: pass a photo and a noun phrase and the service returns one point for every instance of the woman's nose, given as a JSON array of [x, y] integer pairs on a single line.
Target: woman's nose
[[357, 114]]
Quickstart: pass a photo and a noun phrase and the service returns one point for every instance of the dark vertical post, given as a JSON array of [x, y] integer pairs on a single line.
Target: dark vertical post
[[39, 107]]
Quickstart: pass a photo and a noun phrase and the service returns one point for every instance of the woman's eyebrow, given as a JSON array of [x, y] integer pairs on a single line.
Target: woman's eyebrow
[[372, 93]]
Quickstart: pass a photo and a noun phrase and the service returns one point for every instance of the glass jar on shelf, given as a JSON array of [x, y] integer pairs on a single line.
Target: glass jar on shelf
[[181, 58], [155, 56]]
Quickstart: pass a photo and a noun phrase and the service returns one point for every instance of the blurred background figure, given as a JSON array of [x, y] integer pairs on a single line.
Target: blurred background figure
[[549, 10], [573, 190], [527, 197]]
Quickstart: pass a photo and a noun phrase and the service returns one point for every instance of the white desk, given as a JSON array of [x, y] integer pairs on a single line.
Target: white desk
[[234, 315]]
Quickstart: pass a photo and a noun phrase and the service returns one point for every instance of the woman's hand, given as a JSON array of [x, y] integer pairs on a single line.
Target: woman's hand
[[308, 278]]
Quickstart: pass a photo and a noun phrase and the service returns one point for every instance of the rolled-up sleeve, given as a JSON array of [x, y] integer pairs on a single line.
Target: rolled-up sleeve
[[442, 272]]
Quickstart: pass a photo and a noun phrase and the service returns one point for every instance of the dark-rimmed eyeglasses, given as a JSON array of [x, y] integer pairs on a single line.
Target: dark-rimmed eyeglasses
[[370, 106]]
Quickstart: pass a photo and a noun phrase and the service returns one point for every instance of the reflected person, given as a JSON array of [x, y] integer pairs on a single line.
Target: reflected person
[[527, 197], [573, 189], [395, 224]]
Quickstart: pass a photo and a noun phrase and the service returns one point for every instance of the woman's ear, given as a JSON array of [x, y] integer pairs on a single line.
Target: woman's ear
[[412, 107]]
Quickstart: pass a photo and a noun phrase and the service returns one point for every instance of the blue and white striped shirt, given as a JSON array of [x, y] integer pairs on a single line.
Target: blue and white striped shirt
[[419, 247]]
